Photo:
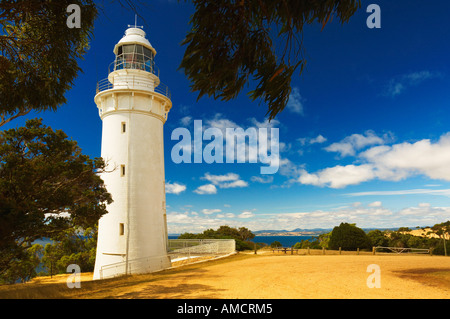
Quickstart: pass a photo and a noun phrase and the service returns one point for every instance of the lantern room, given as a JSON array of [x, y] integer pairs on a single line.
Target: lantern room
[[134, 51]]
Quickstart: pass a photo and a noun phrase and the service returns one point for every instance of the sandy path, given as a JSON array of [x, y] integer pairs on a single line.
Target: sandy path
[[299, 277], [268, 277]]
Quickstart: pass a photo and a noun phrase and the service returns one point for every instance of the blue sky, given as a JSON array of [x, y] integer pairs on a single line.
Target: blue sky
[[365, 138]]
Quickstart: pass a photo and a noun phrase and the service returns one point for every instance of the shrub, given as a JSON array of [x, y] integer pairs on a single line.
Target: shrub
[[439, 249], [276, 244], [348, 237]]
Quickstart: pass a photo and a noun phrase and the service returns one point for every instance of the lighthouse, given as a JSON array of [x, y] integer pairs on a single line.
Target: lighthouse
[[133, 105]]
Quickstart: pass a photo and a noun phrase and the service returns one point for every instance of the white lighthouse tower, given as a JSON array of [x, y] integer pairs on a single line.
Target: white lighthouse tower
[[133, 106]]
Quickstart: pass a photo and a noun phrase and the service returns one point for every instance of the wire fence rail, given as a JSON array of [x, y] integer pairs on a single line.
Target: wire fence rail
[[178, 249], [401, 250], [340, 251]]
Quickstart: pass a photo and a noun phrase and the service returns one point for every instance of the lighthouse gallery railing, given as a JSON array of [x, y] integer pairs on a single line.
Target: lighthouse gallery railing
[[104, 84]]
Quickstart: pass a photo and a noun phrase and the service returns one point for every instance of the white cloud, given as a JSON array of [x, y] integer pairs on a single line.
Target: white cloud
[[395, 88], [289, 169], [175, 188], [399, 84], [265, 124], [372, 215], [235, 184], [295, 103], [217, 179], [309, 141], [182, 222], [186, 120], [246, 214], [319, 139], [263, 180], [258, 143], [390, 163], [338, 176], [206, 189], [426, 214], [442, 192], [221, 123], [407, 159], [375, 204], [351, 144], [229, 180], [210, 211]]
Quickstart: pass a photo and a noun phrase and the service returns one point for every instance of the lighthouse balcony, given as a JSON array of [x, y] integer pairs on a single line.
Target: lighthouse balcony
[[133, 82]]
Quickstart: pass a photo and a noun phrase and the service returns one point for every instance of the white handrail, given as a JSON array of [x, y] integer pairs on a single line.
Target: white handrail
[[131, 81]]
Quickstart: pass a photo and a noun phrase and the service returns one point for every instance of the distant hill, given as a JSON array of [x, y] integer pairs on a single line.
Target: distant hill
[[304, 231], [300, 231], [294, 232]]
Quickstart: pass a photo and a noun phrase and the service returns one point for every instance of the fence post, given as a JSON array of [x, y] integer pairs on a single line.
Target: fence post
[[357, 251], [292, 250], [373, 250], [340, 250], [308, 251], [323, 250]]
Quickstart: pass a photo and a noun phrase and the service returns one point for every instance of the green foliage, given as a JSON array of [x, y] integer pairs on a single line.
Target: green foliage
[[260, 245], [244, 245], [439, 248], [324, 239], [242, 236], [46, 187], [75, 246], [24, 267], [378, 238], [39, 54], [275, 244], [305, 244], [402, 239], [232, 42], [348, 237], [443, 231]]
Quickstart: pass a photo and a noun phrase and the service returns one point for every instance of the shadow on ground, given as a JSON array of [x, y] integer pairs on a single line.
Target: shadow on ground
[[434, 277]]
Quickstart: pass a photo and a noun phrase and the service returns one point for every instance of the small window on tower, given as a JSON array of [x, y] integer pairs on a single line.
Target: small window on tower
[[124, 127], [121, 229], [122, 170]]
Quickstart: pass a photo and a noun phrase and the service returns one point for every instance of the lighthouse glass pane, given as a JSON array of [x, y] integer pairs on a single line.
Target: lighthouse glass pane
[[128, 55], [134, 56], [148, 60], [139, 56]]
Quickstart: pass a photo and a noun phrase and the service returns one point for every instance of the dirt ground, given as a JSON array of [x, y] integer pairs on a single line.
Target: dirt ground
[[245, 276]]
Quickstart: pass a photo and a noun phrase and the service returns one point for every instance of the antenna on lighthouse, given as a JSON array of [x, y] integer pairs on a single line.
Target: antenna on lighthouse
[[135, 23]]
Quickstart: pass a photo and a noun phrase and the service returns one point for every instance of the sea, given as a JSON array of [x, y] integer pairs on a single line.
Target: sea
[[285, 241]]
